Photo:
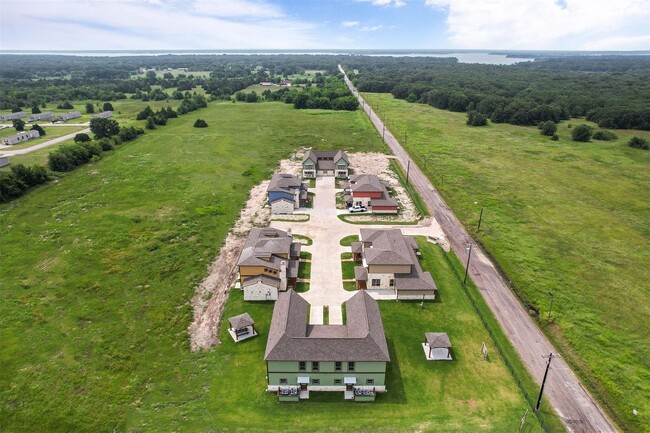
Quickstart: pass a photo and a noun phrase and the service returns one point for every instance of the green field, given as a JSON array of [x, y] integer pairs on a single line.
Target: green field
[[565, 217], [99, 267]]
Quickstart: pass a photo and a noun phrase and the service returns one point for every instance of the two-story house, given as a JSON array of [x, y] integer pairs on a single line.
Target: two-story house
[[325, 163], [369, 191], [390, 263], [286, 193], [349, 358], [268, 264]]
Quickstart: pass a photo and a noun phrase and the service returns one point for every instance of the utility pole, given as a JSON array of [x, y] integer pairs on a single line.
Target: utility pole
[[408, 169], [548, 366], [479, 220], [469, 256]]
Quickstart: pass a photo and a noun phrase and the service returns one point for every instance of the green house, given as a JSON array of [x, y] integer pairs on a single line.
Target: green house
[[302, 358]]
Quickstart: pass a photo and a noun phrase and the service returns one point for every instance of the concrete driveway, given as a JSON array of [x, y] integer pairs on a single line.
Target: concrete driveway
[[326, 231]]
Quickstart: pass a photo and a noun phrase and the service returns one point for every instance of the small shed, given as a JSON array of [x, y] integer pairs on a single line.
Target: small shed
[[437, 346], [241, 327]]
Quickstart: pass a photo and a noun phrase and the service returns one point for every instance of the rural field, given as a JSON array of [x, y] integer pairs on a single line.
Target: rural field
[[94, 312], [562, 217]]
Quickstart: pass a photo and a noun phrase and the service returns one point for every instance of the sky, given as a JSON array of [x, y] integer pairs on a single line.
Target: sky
[[324, 24]]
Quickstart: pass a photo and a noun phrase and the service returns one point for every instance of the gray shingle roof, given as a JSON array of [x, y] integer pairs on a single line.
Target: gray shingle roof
[[360, 273], [291, 339], [241, 321], [284, 182], [325, 164], [437, 340], [269, 281], [262, 247]]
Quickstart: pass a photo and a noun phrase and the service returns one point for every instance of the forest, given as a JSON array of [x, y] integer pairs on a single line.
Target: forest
[[613, 91]]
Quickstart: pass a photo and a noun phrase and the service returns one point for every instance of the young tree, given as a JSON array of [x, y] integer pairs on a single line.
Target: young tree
[[35, 109], [107, 107], [474, 118], [81, 138], [90, 108], [19, 124], [65, 106], [639, 143], [39, 128], [581, 133], [104, 128], [200, 123], [547, 128], [151, 123]]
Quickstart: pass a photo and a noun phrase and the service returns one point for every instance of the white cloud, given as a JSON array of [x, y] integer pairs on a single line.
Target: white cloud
[[620, 43], [350, 23], [394, 3], [371, 28], [131, 24], [544, 24]]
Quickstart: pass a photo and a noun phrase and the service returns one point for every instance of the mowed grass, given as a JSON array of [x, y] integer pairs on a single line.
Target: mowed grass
[[98, 268], [468, 394], [562, 217]]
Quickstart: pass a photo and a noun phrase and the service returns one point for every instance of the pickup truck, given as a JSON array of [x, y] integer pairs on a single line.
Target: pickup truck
[[356, 208]]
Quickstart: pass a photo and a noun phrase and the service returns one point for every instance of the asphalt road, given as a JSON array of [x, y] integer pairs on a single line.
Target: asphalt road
[[577, 409]]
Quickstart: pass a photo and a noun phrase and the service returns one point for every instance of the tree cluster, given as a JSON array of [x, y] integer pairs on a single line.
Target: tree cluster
[[16, 182]]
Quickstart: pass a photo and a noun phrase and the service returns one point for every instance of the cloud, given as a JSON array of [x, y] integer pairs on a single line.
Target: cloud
[[543, 24], [350, 24], [394, 3], [170, 24], [620, 43], [371, 28]]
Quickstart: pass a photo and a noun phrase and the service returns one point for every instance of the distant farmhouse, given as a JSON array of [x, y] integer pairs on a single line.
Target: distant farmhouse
[[268, 264], [390, 262], [369, 191], [349, 358], [103, 115], [40, 116], [285, 83], [12, 116], [325, 163], [20, 137], [286, 193], [68, 116]]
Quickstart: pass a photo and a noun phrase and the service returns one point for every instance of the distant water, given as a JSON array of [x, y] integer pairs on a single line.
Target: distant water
[[463, 57]]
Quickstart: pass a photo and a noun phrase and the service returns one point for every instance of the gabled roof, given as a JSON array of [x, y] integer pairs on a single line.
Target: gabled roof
[[437, 340], [292, 339], [241, 321], [283, 182], [387, 247], [263, 247], [366, 182], [318, 155]]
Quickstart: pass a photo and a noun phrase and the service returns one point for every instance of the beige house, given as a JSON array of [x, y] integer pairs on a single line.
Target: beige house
[[325, 163], [390, 263], [268, 264]]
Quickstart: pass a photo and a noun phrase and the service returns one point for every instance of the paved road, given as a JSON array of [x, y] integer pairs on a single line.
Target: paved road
[[48, 143], [578, 411]]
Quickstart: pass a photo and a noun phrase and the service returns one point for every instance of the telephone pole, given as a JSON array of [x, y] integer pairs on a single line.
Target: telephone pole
[[541, 390]]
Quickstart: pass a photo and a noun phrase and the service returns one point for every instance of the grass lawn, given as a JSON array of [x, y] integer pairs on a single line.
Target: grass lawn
[[302, 287], [565, 217], [306, 255], [465, 395], [350, 286], [99, 267], [305, 240], [348, 269], [348, 240], [304, 270]]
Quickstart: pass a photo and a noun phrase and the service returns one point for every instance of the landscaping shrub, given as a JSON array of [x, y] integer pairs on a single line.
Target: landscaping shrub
[[82, 137], [581, 133], [474, 118], [200, 123], [605, 135], [547, 128], [639, 143]]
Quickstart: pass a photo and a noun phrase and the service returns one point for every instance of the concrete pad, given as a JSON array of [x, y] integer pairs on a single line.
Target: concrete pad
[[335, 315], [316, 315]]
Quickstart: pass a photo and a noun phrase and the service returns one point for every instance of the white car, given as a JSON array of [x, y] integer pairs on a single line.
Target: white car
[[356, 208]]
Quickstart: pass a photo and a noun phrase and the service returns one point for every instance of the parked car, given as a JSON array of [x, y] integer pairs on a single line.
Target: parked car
[[356, 208]]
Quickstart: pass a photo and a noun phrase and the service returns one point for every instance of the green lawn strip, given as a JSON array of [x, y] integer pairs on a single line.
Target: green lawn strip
[[304, 239], [302, 287], [415, 196], [326, 315], [350, 286], [463, 395], [346, 256], [305, 255], [348, 240], [312, 183], [304, 270], [94, 314], [348, 270], [563, 217]]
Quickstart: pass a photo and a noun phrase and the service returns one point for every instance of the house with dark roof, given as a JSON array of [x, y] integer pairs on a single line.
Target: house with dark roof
[[268, 264], [389, 262], [369, 191], [325, 163], [303, 358], [286, 193]]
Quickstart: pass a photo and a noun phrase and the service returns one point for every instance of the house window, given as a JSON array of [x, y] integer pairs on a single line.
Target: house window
[[341, 166], [391, 282], [350, 366], [315, 381], [315, 366], [283, 381], [302, 366], [376, 282], [337, 366], [370, 381], [337, 381]]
